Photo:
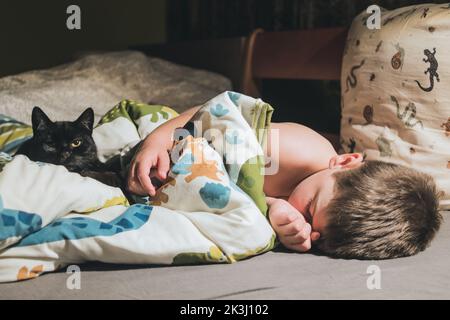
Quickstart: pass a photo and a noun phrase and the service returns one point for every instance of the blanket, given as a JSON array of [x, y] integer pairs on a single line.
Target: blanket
[[211, 209]]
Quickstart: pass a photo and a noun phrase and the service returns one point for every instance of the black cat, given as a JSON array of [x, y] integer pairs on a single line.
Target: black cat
[[70, 143]]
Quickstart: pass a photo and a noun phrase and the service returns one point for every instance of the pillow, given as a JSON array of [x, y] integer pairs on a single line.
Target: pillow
[[101, 80], [395, 86]]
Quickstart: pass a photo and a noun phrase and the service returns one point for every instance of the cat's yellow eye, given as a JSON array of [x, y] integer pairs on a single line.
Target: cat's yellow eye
[[75, 143]]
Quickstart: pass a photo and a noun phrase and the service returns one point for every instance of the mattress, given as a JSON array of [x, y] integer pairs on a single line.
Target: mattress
[[274, 275]]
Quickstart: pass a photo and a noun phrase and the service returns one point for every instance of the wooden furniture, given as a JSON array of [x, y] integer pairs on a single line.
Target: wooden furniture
[[314, 54]]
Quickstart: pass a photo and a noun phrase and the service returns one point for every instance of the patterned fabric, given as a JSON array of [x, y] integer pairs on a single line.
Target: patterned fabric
[[395, 90], [12, 134], [211, 208]]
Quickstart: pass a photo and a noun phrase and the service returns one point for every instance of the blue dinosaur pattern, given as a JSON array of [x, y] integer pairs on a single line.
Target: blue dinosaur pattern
[[16, 223], [234, 138], [234, 96], [215, 195], [84, 227], [182, 165], [219, 110]]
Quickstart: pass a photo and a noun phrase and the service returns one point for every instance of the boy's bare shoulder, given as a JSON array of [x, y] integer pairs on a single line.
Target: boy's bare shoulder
[[299, 151], [299, 141]]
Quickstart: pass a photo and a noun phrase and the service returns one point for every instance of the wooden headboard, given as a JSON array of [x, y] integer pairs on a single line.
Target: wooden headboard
[[304, 54], [314, 54]]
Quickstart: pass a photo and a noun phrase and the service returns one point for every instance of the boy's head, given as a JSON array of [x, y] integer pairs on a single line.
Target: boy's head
[[371, 209]]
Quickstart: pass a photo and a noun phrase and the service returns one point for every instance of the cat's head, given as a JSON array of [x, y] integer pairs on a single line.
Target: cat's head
[[67, 143]]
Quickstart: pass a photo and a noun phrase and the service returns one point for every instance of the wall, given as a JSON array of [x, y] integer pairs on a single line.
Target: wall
[[33, 34]]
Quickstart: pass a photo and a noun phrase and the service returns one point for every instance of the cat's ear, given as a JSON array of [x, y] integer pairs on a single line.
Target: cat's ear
[[86, 119], [39, 120]]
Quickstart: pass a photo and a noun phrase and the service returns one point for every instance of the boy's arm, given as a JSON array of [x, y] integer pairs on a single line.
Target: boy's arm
[[298, 152], [153, 155], [299, 144]]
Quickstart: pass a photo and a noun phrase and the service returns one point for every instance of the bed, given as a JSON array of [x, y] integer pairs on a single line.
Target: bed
[[279, 274]]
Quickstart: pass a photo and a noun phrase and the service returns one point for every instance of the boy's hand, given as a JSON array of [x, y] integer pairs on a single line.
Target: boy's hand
[[290, 225], [151, 158]]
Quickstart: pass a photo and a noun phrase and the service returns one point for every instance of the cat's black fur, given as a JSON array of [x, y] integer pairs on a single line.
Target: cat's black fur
[[69, 143]]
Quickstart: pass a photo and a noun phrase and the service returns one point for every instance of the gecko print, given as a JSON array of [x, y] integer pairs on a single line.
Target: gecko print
[[378, 46], [351, 145], [397, 59], [431, 71], [368, 114], [384, 146], [396, 107], [352, 81], [446, 127], [408, 116]]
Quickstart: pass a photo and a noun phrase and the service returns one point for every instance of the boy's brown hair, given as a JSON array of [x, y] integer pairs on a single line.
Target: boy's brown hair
[[381, 211]]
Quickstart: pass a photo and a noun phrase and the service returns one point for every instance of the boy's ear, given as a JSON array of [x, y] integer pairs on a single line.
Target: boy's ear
[[39, 120], [86, 119], [346, 161]]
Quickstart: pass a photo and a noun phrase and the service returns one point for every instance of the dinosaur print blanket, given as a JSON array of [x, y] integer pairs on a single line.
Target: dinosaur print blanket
[[211, 209]]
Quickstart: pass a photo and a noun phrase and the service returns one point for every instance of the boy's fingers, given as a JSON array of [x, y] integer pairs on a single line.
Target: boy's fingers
[[270, 200], [143, 171], [315, 236], [133, 184], [284, 218], [131, 177], [163, 165], [302, 235], [305, 246], [292, 228], [301, 246]]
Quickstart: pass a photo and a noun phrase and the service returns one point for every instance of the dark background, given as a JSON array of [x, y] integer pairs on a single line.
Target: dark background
[[33, 35]]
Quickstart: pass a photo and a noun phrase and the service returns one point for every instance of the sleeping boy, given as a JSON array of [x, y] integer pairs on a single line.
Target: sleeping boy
[[343, 205]]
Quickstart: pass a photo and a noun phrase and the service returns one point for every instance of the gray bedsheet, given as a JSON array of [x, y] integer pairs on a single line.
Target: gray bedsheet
[[274, 275]]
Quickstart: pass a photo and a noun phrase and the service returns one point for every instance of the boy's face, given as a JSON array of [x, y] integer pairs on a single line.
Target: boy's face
[[312, 196]]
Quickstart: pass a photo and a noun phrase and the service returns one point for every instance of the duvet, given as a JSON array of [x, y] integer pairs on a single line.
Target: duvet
[[211, 209]]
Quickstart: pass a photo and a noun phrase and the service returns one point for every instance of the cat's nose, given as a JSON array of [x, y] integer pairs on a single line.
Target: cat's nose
[[64, 156]]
